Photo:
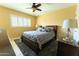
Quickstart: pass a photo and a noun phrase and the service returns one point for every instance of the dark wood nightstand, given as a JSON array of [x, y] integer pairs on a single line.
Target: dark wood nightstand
[[66, 48]]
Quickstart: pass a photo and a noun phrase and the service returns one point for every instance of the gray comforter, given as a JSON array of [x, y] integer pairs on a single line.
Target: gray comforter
[[39, 37]]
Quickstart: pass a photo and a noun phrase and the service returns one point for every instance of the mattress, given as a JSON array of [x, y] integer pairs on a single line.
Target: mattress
[[39, 37]]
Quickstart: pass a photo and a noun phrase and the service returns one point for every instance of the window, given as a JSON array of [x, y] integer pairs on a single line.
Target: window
[[17, 21]]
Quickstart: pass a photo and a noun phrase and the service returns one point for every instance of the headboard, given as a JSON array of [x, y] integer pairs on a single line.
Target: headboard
[[55, 27]]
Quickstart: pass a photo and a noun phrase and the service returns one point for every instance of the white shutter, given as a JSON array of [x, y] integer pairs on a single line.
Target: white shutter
[[20, 22], [14, 21], [17, 21]]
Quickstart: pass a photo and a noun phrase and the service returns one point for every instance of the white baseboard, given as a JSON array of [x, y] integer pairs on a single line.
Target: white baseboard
[[16, 38]]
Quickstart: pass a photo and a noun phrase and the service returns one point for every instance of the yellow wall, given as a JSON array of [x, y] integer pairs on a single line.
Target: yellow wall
[[57, 18], [6, 24]]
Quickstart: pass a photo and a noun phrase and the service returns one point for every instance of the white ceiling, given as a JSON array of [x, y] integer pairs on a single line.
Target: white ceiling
[[46, 7]]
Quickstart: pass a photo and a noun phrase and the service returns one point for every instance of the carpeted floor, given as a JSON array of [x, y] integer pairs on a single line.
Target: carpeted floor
[[24, 49], [50, 50]]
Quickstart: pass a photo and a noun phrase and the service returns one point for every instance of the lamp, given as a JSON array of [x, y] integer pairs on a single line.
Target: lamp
[[67, 24]]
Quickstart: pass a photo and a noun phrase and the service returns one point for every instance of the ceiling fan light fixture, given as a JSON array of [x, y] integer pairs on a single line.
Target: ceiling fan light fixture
[[34, 9]]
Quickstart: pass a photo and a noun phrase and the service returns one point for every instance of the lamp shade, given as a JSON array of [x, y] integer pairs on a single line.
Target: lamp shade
[[70, 23], [66, 24]]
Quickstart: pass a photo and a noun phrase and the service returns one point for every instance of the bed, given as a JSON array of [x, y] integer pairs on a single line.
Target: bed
[[37, 39]]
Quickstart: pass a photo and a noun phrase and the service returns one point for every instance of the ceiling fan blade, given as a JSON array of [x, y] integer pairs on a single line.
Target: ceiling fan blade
[[39, 9], [38, 5]]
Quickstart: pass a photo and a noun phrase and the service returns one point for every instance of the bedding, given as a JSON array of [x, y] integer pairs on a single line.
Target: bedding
[[44, 29], [40, 37], [42, 43]]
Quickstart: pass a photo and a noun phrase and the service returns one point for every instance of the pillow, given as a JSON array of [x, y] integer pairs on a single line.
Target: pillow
[[44, 29], [41, 29], [48, 29]]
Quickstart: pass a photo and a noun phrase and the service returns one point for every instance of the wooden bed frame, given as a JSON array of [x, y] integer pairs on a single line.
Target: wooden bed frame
[[34, 45]]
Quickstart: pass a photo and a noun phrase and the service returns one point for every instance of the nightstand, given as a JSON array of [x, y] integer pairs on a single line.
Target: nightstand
[[67, 48]]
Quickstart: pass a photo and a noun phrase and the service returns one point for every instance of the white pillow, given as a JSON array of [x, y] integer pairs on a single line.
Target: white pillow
[[41, 30]]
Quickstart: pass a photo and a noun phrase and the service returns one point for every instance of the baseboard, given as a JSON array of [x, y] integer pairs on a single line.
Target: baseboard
[[16, 38]]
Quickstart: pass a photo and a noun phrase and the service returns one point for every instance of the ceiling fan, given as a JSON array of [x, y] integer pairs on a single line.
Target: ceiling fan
[[35, 6]]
